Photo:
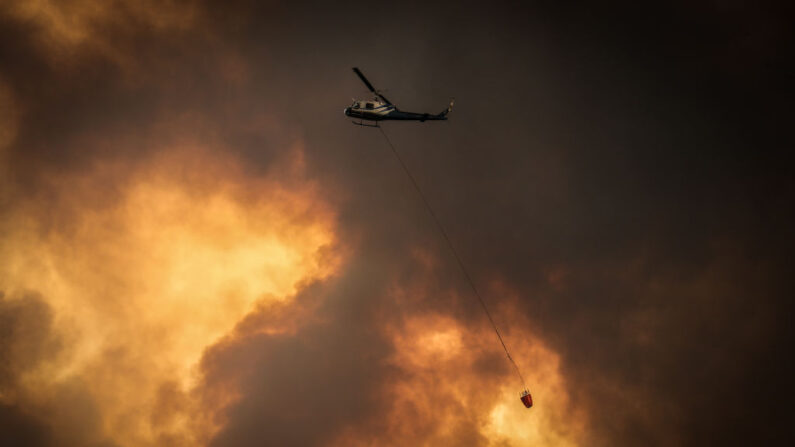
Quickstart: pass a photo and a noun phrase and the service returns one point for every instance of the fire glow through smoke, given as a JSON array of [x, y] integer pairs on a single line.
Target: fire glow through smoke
[[143, 278], [450, 389], [144, 270]]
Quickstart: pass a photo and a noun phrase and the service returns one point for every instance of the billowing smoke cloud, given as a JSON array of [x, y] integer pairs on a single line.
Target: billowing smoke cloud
[[197, 249]]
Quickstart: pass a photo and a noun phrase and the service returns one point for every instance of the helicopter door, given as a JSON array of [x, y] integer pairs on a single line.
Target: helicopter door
[[369, 106]]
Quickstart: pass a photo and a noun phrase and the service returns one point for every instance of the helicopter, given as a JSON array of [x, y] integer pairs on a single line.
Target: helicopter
[[379, 109]]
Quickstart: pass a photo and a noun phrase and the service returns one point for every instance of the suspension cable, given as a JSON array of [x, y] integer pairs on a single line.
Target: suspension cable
[[455, 253]]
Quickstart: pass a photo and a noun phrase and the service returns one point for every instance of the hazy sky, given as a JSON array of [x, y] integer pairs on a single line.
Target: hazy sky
[[198, 249]]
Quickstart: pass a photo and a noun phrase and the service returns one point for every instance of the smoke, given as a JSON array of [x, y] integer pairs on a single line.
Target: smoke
[[197, 249], [144, 278]]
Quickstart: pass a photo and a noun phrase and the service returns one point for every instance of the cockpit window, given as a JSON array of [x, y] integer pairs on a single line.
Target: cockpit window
[[356, 105], [369, 105]]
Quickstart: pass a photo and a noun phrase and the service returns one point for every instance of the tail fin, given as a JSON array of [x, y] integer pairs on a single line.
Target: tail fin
[[449, 108]]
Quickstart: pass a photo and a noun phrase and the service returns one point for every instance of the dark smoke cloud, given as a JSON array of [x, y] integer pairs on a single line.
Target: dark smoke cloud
[[25, 340], [26, 337], [319, 379], [621, 168]]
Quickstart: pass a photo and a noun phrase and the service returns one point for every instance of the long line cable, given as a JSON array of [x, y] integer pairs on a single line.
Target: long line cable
[[455, 253]]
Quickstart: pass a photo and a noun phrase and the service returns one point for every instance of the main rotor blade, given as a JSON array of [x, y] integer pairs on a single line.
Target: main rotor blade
[[366, 82], [383, 98], [370, 86]]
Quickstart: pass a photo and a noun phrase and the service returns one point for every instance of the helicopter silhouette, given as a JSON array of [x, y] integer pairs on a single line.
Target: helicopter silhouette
[[380, 109]]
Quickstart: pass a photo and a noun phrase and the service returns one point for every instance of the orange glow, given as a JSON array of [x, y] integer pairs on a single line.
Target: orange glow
[[8, 125], [454, 385], [145, 266], [68, 23], [66, 30]]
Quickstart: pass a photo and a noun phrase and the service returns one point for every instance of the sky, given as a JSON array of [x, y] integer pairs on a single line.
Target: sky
[[198, 249]]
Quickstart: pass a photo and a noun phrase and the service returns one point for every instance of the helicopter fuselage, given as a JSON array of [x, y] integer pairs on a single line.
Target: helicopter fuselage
[[375, 110], [379, 108]]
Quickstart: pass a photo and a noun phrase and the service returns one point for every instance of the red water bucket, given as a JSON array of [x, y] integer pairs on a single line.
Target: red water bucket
[[527, 399]]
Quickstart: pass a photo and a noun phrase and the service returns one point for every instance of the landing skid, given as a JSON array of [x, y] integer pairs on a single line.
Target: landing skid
[[361, 123]]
